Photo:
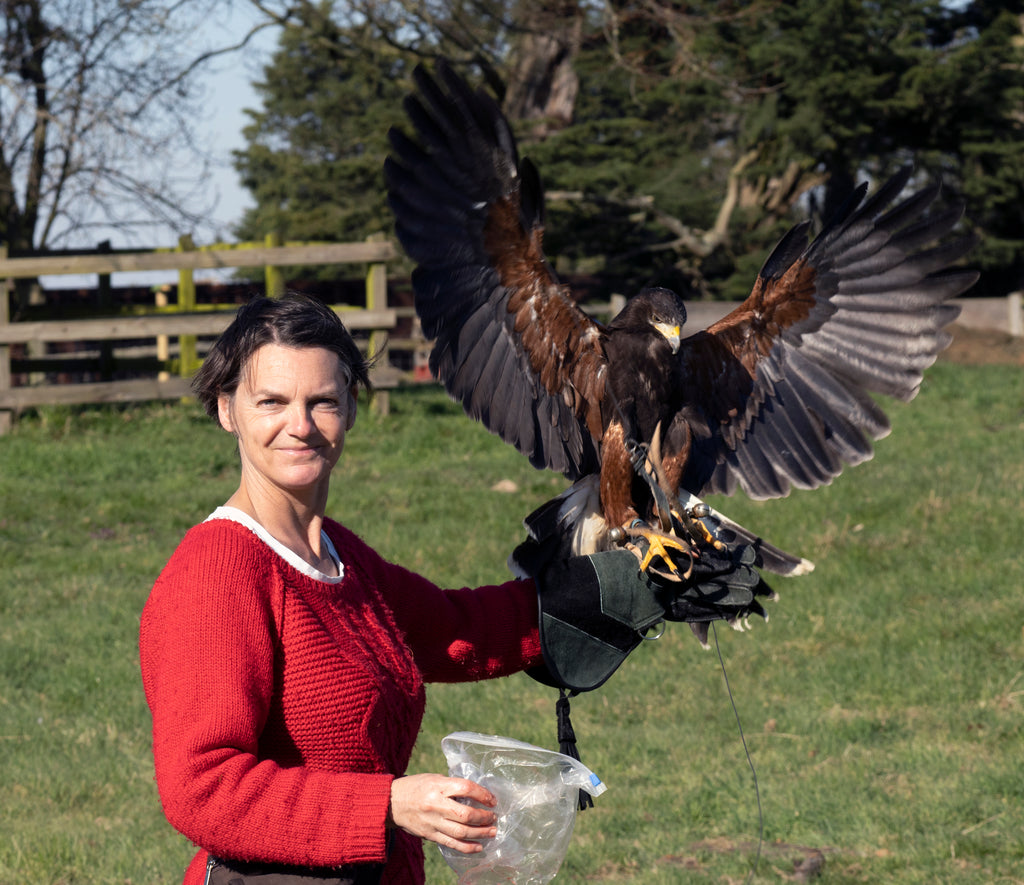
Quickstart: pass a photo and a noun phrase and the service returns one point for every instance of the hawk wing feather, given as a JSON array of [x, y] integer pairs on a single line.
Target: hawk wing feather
[[858, 311], [510, 344]]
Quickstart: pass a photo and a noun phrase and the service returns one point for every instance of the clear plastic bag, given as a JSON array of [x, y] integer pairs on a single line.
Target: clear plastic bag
[[537, 793]]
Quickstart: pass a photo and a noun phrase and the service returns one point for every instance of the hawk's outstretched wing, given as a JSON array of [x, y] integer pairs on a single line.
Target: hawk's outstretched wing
[[510, 344], [778, 393]]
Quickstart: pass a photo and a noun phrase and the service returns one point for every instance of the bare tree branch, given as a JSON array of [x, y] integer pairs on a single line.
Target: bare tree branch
[[95, 97]]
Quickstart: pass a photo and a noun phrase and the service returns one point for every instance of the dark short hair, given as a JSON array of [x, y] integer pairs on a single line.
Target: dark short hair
[[294, 320]]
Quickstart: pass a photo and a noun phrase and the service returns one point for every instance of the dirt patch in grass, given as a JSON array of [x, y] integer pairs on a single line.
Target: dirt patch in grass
[[793, 863]]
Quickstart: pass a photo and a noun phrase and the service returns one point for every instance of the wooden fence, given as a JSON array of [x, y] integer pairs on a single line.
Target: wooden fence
[[187, 324]]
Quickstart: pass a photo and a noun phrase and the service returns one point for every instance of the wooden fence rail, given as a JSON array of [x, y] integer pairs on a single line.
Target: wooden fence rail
[[122, 328], [224, 257], [986, 313], [377, 318]]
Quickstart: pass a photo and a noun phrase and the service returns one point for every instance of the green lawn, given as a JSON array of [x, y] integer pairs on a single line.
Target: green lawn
[[882, 703]]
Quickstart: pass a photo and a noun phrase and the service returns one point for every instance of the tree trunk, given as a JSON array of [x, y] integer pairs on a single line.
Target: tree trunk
[[542, 84]]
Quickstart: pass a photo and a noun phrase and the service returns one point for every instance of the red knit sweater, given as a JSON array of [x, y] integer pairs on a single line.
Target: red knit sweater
[[283, 706]]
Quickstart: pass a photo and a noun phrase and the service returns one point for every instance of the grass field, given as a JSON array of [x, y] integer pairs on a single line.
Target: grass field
[[882, 703]]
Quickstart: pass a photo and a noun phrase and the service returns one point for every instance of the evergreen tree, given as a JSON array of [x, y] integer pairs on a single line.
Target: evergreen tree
[[967, 112], [316, 147], [656, 152], [675, 140], [677, 107]]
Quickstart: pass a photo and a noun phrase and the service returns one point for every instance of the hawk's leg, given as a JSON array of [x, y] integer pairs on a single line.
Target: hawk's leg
[[695, 526], [667, 541], [663, 537]]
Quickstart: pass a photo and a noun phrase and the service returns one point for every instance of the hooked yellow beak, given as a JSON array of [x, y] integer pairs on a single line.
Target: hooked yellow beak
[[670, 334]]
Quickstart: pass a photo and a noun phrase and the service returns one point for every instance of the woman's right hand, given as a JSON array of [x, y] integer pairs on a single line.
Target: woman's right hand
[[425, 805]]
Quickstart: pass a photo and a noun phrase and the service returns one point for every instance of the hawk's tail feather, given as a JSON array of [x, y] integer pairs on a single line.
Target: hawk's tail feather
[[773, 559]]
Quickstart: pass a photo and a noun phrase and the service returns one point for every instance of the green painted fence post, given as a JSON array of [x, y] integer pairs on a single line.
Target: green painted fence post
[[273, 277], [377, 299]]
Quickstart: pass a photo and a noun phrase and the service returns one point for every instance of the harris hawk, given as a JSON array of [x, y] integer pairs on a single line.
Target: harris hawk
[[774, 396]]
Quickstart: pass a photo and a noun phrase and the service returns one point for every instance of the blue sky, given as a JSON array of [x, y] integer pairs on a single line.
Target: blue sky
[[228, 91]]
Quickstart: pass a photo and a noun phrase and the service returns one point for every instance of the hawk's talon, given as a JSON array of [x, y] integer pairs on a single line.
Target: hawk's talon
[[697, 529], [660, 544]]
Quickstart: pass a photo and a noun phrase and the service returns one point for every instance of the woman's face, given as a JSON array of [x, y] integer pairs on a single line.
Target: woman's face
[[290, 414]]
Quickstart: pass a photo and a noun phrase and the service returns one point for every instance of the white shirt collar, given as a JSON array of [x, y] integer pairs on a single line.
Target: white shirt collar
[[288, 555]]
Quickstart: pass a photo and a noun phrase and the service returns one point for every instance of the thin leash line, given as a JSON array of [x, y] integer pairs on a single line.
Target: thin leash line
[[750, 761]]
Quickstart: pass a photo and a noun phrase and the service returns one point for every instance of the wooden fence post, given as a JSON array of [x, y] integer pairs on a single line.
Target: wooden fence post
[[6, 287], [1013, 303], [377, 299], [105, 301], [36, 349], [273, 277], [188, 354]]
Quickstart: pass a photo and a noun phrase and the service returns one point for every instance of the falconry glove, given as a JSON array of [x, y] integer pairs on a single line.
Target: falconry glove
[[594, 610], [724, 585]]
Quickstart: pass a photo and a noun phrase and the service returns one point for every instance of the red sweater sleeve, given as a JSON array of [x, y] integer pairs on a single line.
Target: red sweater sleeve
[[455, 635], [207, 650]]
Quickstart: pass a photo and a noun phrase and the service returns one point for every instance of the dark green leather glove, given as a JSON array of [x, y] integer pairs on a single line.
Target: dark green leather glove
[[594, 610], [724, 586]]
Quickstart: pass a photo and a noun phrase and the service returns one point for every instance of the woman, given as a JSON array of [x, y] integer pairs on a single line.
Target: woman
[[284, 661]]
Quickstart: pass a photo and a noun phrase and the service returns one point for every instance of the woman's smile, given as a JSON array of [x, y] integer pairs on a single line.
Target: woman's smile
[[290, 414]]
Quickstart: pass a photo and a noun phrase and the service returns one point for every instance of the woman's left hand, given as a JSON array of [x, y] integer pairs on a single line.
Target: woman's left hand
[[425, 805]]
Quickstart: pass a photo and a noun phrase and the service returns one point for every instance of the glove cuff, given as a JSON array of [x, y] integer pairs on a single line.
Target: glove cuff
[[593, 611]]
